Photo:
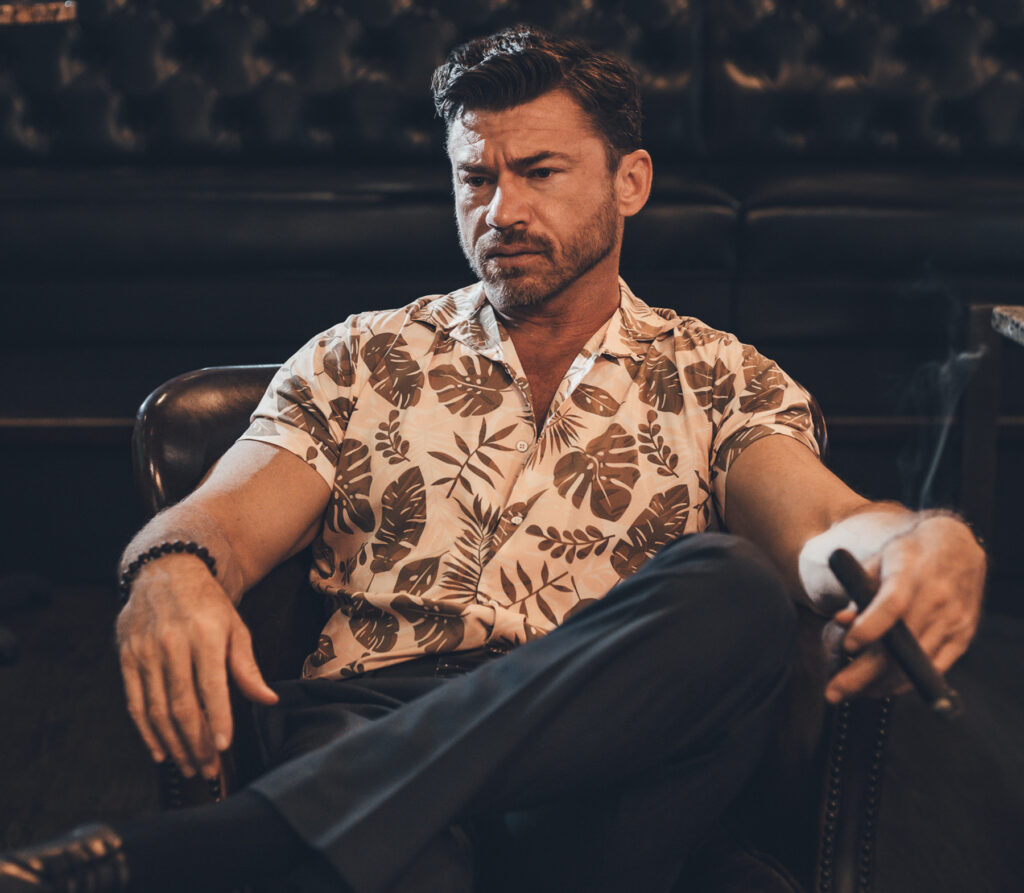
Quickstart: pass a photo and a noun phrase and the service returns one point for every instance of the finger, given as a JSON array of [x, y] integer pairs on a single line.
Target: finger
[[186, 711], [846, 616], [932, 638], [889, 605], [891, 682], [136, 699], [856, 676], [212, 680], [159, 713], [243, 666], [948, 655]]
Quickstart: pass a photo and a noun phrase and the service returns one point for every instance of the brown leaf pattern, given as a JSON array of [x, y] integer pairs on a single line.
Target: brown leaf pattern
[[394, 374], [560, 433], [657, 525], [472, 548], [654, 447], [764, 384], [571, 544], [608, 468], [738, 443], [417, 577], [437, 626], [403, 516], [659, 383], [712, 385], [452, 521], [350, 499], [324, 651], [597, 401], [296, 406], [338, 363], [371, 626], [475, 461], [390, 441], [477, 389]]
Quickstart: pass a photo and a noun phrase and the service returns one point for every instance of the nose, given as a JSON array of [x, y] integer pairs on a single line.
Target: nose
[[508, 206]]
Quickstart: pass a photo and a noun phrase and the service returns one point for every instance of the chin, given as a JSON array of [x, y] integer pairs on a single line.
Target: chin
[[513, 291]]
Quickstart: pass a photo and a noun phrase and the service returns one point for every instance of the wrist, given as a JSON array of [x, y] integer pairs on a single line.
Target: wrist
[[863, 534], [162, 551]]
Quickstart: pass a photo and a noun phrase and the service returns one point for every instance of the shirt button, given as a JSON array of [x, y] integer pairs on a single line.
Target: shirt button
[[516, 519], [522, 446]]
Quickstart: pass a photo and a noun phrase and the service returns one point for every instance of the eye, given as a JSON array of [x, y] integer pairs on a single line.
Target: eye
[[474, 181], [541, 173]]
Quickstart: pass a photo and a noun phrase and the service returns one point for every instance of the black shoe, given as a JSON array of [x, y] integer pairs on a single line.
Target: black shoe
[[88, 860]]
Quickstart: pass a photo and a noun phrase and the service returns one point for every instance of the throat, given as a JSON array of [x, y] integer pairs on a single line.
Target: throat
[[545, 366]]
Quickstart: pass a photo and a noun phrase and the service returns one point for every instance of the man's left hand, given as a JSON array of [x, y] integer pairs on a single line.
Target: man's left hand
[[932, 577]]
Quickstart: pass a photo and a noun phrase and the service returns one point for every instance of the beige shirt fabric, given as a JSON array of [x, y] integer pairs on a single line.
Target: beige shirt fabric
[[453, 523]]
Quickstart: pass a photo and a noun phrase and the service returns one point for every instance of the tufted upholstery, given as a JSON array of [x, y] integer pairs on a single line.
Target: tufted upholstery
[[287, 78], [346, 79]]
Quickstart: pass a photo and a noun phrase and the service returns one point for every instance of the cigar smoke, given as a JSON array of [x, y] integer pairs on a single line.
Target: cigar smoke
[[933, 393]]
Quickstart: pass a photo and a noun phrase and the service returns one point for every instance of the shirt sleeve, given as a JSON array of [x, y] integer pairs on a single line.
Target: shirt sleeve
[[762, 400], [307, 405]]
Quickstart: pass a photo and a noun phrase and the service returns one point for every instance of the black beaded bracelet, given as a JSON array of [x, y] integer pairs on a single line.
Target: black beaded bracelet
[[128, 575]]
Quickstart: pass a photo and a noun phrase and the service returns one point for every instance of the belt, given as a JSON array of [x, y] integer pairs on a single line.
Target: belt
[[449, 663]]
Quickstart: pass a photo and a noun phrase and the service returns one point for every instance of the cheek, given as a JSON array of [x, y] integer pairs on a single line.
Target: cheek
[[469, 217]]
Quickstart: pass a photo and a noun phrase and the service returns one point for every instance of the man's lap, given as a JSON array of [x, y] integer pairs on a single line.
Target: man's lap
[[618, 810]]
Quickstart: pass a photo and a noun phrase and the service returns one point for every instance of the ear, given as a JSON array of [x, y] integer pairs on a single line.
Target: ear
[[633, 181]]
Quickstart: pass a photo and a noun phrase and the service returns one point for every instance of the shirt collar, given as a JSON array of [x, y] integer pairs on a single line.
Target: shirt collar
[[465, 316], [636, 326]]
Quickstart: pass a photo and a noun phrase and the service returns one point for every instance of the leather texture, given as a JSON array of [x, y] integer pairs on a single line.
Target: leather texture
[[302, 79]]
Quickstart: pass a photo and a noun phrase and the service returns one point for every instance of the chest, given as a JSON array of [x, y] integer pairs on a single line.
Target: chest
[[545, 372]]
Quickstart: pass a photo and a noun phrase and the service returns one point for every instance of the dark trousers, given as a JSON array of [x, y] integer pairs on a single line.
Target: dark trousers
[[591, 759]]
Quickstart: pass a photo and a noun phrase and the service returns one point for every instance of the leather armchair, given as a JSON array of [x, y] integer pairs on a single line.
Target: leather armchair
[[807, 821]]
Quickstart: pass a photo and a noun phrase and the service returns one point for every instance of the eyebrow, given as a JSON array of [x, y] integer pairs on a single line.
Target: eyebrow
[[519, 163]]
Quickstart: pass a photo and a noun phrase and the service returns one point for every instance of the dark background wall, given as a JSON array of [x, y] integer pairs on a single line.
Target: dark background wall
[[837, 182]]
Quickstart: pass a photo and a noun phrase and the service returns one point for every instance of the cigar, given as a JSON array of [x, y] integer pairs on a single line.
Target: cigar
[[899, 641]]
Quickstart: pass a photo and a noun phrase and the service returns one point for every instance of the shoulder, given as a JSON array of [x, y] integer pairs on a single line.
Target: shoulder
[[423, 315]]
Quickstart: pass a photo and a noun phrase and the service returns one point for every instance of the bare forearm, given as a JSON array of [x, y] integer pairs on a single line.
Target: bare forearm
[[188, 522]]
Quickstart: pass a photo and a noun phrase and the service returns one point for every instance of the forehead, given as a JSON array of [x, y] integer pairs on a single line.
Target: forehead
[[552, 122]]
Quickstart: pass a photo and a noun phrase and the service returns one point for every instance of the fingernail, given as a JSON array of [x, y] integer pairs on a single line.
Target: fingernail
[[221, 742], [832, 695], [188, 771], [210, 771]]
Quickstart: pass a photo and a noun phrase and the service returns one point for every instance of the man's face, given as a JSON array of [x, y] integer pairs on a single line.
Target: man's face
[[534, 198]]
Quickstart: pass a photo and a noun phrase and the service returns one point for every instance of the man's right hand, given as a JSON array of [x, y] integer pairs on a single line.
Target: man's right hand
[[178, 637]]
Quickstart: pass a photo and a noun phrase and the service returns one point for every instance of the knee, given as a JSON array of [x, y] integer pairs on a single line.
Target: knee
[[735, 587]]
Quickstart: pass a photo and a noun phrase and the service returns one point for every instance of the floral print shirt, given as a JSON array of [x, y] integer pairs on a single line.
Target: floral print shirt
[[453, 522]]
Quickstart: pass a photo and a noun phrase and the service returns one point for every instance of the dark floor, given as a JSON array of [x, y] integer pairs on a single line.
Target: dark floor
[[68, 752]]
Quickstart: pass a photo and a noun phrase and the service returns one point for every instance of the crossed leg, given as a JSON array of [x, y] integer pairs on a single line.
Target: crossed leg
[[592, 758]]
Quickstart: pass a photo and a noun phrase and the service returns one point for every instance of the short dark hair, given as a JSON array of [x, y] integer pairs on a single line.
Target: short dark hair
[[521, 63]]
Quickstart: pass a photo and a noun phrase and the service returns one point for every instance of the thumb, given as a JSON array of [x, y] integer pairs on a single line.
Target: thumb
[[243, 666]]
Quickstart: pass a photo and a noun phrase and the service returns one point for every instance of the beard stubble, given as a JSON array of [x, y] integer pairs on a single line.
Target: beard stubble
[[515, 286]]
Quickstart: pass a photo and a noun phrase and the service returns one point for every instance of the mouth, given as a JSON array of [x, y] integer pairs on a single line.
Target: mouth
[[508, 253]]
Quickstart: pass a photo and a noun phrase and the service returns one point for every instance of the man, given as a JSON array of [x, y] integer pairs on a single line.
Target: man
[[511, 491]]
